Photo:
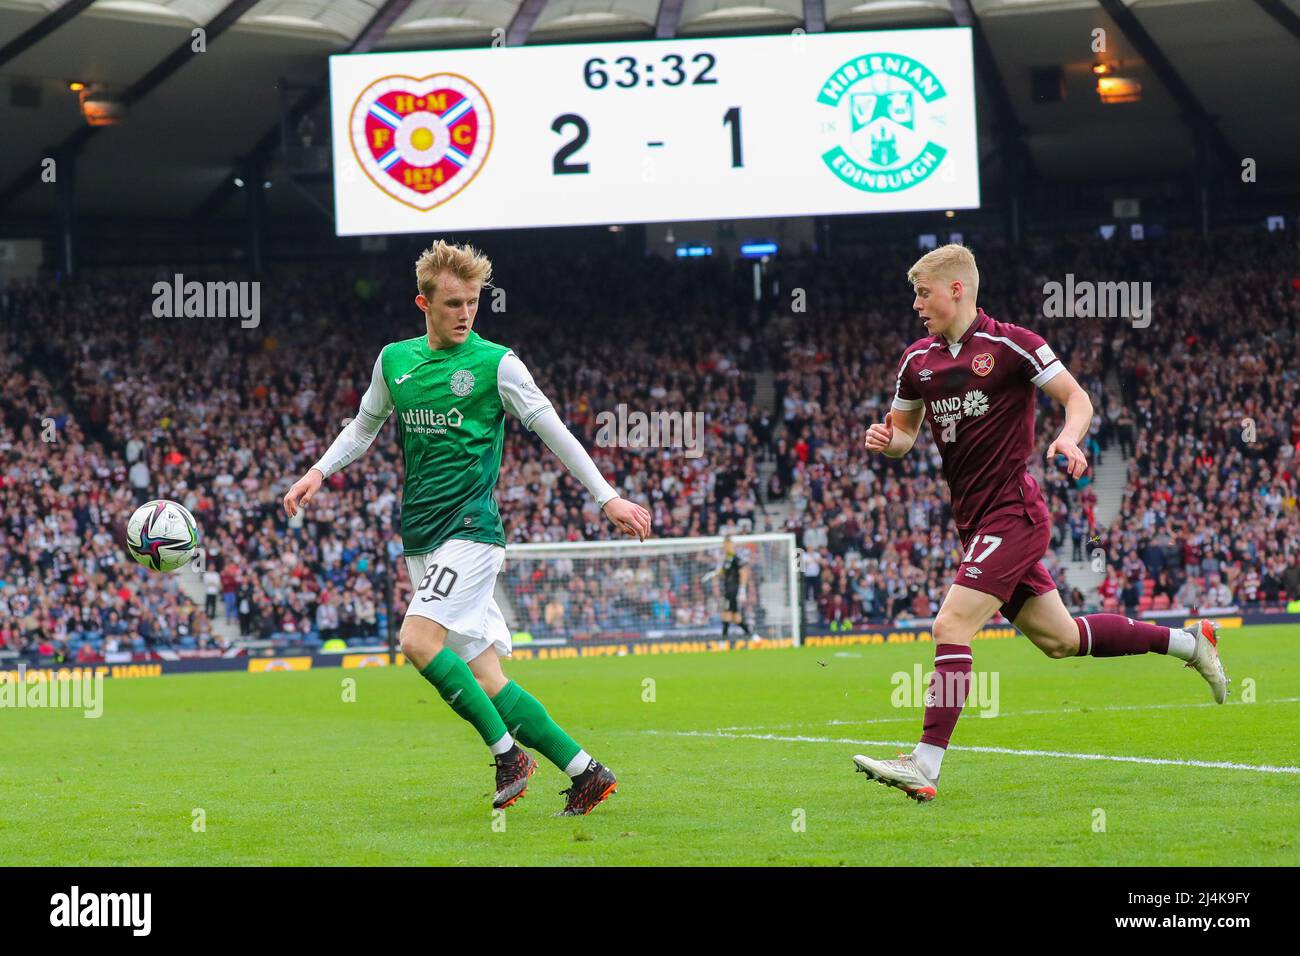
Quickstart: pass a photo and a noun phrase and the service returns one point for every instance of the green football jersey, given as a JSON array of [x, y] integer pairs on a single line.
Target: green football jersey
[[451, 423]]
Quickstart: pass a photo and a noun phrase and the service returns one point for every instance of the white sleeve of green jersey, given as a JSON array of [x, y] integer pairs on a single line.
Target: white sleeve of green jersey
[[523, 399], [519, 393], [358, 434]]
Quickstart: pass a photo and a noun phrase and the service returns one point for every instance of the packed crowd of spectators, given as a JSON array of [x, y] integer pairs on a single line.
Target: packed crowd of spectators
[[1209, 517], [63, 574], [105, 406]]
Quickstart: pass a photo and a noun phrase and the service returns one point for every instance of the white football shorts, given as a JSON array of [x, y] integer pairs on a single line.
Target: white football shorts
[[454, 586]]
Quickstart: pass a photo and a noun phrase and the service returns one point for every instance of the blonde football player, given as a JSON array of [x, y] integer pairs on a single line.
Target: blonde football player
[[451, 390]]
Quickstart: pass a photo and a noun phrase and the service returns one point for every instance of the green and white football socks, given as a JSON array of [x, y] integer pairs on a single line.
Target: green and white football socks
[[526, 718], [458, 687]]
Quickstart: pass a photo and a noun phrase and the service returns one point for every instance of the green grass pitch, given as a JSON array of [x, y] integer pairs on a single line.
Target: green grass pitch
[[286, 772]]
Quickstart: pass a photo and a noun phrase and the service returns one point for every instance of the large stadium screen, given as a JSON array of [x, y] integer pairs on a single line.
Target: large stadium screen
[[654, 131]]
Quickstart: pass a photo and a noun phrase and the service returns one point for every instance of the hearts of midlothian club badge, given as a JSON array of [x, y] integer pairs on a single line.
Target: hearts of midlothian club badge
[[421, 140]]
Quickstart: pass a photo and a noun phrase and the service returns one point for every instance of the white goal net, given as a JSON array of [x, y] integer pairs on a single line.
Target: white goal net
[[674, 588]]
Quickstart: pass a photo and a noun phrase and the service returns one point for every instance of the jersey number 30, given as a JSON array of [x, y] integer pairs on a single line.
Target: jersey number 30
[[446, 580]]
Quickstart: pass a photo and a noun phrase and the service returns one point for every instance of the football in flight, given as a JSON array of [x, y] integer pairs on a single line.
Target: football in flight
[[162, 535]]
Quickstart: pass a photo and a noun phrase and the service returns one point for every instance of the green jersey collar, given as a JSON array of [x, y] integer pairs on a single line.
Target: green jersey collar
[[470, 340]]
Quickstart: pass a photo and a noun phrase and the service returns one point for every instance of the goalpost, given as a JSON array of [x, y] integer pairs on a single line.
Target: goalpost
[[602, 592]]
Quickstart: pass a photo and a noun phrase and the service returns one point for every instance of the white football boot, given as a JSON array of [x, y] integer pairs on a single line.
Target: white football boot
[[902, 773], [1206, 659]]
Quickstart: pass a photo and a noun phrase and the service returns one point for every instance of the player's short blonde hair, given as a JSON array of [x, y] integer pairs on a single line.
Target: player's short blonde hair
[[464, 262], [947, 263]]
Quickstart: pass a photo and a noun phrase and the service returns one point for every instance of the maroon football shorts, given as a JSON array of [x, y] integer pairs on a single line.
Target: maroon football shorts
[[1003, 557]]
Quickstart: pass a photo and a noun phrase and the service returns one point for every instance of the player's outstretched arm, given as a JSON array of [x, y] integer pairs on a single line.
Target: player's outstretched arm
[[629, 517], [1078, 419], [895, 437], [351, 443], [522, 398]]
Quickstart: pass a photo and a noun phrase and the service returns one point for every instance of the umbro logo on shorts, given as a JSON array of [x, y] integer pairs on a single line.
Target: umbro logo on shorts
[[973, 572]]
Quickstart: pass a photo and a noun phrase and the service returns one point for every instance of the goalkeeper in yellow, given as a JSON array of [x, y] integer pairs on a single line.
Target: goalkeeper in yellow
[[451, 390]]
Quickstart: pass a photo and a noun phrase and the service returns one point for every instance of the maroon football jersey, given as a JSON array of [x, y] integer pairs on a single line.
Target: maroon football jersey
[[978, 394]]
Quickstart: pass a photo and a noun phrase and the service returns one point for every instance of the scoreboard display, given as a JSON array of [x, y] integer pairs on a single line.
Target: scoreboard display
[[654, 131]]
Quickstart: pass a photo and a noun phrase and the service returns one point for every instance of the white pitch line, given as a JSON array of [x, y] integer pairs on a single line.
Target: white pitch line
[[1063, 754], [1022, 713]]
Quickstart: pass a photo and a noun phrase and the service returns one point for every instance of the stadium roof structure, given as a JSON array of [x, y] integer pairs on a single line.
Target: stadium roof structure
[[1213, 69]]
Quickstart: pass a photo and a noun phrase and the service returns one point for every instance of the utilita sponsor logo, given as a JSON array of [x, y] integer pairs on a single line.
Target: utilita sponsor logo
[[425, 421], [134, 910]]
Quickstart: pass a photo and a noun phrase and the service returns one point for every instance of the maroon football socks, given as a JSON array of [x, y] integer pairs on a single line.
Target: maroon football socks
[[1114, 635]]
